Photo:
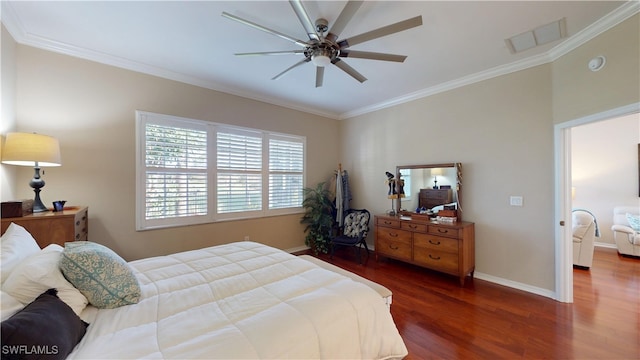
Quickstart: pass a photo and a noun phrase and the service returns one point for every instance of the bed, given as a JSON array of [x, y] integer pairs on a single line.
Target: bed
[[241, 300]]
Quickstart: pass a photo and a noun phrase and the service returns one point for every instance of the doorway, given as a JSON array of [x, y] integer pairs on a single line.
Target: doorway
[[562, 150]]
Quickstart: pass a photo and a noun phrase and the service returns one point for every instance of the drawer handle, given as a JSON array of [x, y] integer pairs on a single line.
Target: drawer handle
[[434, 243], [434, 257], [78, 223], [393, 234], [443, 231], [393, 247], [387, 222], [413, 226]]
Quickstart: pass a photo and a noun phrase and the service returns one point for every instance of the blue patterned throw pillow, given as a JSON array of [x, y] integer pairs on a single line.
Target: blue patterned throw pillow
[[634, 221], [100, 274]]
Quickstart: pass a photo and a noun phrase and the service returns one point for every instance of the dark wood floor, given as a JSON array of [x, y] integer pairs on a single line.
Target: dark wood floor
[[440, 320]]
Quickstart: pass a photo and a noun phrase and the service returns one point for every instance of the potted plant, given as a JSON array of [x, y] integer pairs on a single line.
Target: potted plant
[[318, 216]]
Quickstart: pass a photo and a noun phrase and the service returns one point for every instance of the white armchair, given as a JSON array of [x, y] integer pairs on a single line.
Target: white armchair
[[584, 236], [627, 239]]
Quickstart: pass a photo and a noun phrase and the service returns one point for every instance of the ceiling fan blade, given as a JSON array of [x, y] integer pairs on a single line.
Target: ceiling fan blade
[[319, 76], [285, 52], [308, 25], [380, 32], [262, 28], [343, 19], [372, 55], [291, 67], [349, 70]]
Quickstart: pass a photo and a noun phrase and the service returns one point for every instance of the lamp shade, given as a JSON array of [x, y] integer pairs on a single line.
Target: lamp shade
[[28, 149], [436, 171]]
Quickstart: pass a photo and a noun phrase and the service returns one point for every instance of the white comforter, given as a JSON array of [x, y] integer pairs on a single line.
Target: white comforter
[[242, 301]]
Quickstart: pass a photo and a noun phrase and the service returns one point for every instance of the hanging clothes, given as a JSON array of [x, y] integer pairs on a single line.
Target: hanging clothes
[[330, 185], [339, 201], [346, 191]]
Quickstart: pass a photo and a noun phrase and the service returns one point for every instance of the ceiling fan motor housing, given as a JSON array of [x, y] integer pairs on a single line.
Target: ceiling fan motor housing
[[322, 49]]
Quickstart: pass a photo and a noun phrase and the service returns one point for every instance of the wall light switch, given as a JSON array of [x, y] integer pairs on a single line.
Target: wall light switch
[[515, 201]]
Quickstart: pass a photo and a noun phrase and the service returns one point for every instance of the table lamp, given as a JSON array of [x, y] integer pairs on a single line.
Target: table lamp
[[435, 172], [35, 150]]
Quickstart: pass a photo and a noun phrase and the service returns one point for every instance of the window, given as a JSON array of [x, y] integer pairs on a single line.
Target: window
[[239, 175], [192, 171], [286, 172]]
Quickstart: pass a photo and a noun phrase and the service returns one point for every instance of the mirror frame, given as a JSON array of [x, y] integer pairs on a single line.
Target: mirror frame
[[458, 189]]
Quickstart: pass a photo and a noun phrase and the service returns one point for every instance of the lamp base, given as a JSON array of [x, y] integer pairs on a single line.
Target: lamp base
[[38, 206], [37, 183]]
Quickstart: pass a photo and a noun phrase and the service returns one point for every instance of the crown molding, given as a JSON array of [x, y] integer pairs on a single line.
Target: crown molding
[[453, 84], [17, 31], [610, 20]]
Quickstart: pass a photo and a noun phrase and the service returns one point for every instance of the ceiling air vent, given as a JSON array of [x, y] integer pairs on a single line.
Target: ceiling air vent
[[539, 36]]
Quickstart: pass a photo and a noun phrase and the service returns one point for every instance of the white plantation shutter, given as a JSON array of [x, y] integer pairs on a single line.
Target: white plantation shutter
[[175, 171], [239, 165], [192, 171], [286, 170]]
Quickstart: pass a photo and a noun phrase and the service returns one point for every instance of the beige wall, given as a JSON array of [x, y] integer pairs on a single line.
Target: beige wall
[[90, 108], [502, 132], [578, 91], [604, 169], [7, 109], [504, 140]]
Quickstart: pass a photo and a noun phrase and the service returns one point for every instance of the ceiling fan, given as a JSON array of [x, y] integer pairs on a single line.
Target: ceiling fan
[[323, 47]]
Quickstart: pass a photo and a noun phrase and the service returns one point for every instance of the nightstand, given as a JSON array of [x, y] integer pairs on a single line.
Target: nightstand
[[54, 227]]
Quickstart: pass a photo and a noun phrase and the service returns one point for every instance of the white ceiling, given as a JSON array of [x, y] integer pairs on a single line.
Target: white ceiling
[[459, 42]]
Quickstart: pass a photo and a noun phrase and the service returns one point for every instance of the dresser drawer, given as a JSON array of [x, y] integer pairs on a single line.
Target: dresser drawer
[[437, 260], [54, 227], [444, 231], [448, 248], [393, 243], [436, 194], [388, 222], [425, 242], [405, 225]]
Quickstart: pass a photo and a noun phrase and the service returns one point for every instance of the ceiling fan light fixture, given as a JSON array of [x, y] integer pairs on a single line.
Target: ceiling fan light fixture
[[321, 60], [322, 56]]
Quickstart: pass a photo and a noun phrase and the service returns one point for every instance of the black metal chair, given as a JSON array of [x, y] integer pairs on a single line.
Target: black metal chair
[[354, 231]]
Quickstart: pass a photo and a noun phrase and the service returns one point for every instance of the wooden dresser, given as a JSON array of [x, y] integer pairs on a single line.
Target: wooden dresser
[[51, 227], [434, 197], [449, 248]]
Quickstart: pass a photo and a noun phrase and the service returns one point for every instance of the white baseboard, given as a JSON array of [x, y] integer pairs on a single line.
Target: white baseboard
[[297, 249], [516, 285], [605, 245]]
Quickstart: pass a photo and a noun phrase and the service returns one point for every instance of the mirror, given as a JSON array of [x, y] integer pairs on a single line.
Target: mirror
[[429, 186]]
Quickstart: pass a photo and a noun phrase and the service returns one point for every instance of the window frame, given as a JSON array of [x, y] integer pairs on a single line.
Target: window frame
[[212, 128]]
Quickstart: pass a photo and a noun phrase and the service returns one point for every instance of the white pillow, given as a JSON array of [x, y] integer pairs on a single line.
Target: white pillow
[[16, 244], [39, 273], [9, 305]]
